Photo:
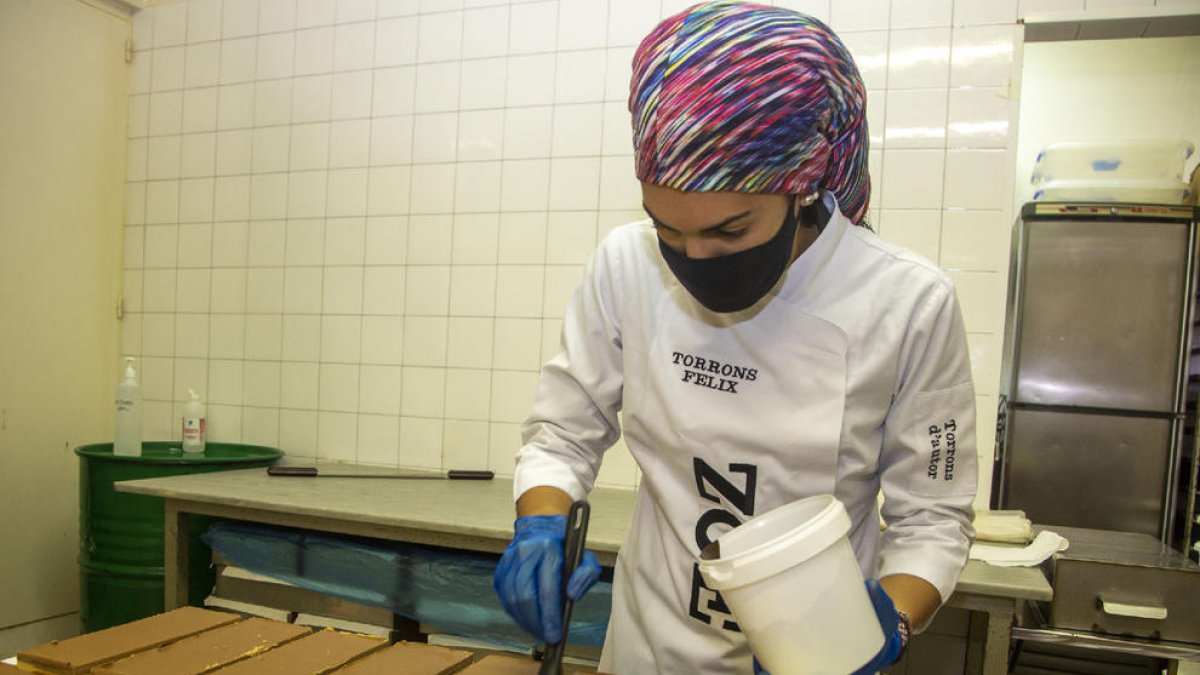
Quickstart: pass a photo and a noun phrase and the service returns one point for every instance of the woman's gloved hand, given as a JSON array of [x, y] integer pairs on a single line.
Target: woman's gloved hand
[[528, 578], [895, 635]]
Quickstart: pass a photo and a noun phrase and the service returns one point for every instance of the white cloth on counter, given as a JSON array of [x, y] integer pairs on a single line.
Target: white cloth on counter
[[1046, 544]]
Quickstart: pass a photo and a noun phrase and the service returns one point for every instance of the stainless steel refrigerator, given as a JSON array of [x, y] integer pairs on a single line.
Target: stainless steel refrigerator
[[1093, 400]]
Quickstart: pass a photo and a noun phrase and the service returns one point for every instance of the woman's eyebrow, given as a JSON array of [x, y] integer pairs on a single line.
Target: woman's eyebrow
[[710, 228]]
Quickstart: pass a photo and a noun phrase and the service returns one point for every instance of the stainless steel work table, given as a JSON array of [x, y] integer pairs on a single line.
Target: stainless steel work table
[[477, 516]]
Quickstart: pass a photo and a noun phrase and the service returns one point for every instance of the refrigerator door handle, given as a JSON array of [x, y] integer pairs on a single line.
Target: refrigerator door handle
[[1001, 426], [1152, 612], [997, 500]]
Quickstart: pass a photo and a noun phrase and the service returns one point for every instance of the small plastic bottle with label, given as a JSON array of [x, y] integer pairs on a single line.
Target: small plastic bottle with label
[[127, 437], [193, 424]]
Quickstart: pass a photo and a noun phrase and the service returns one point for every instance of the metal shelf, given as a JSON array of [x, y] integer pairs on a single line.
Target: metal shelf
[[1161, 649]]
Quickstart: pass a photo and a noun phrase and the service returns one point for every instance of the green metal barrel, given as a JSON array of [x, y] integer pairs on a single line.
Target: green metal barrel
[[121, 534]]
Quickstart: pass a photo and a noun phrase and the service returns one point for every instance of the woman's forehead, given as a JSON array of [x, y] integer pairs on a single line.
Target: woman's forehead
[[701, 209]]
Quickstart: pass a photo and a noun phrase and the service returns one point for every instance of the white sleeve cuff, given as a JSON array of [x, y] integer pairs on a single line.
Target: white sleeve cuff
[[942, 571], [537, 468]]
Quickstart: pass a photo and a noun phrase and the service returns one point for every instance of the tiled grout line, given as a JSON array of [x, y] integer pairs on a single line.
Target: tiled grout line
[[175, 357], [141, 351], [452, 222], [253, 126], [320, 328], [453, 228], [946, 145], [599, 192], [171, 384], [492, 387], [408, 238], [253, 174], [358, 418], [286, 220], [241, 406], [554, 121], [887, 65], [284, 282]]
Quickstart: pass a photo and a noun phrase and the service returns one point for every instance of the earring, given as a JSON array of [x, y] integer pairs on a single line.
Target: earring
[[808, 199]]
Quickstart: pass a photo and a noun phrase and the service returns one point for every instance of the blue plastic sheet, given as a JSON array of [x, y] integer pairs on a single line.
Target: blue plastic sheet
[[446, 588]]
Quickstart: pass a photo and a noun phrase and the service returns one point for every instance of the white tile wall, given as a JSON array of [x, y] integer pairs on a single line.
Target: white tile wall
[[354, 225]]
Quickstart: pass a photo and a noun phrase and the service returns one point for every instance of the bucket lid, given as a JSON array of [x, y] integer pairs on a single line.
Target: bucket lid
[[825, 522]]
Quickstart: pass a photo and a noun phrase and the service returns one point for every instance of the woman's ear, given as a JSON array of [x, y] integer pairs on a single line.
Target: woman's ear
[[814, 213]]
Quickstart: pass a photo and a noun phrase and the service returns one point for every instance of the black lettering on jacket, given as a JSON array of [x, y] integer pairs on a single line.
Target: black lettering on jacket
[[711, 373], [706, 604], [943, 444]]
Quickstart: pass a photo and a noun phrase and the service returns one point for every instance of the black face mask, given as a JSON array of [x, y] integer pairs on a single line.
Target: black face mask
[[733, 282]]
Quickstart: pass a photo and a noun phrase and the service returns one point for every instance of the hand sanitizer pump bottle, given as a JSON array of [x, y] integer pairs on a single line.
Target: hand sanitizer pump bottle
[[193, 424], [127, 441]]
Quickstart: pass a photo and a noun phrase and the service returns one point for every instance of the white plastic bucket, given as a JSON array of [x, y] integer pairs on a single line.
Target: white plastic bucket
[[791, 580]]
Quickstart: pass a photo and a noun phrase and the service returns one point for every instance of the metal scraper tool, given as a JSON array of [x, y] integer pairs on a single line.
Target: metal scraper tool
[[311, 472]]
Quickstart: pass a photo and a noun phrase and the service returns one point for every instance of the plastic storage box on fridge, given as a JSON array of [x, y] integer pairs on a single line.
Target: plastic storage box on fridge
[[1142, 160], [1127, 191]]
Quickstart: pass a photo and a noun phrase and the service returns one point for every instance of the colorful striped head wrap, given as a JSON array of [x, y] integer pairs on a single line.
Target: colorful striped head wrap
[[728, 96]]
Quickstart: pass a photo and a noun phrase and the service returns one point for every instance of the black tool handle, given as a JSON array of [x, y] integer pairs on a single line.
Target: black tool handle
[[460, 474], [573, 546], [292, 471]]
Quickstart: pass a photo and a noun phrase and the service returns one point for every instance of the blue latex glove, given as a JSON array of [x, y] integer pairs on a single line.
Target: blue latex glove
[[528, 578], [889, 620]]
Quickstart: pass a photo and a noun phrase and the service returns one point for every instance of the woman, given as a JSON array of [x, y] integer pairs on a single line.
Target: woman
[[763, 344]]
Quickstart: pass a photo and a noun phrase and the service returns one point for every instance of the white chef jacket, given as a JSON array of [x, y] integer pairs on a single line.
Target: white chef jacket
[[851, 376]]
